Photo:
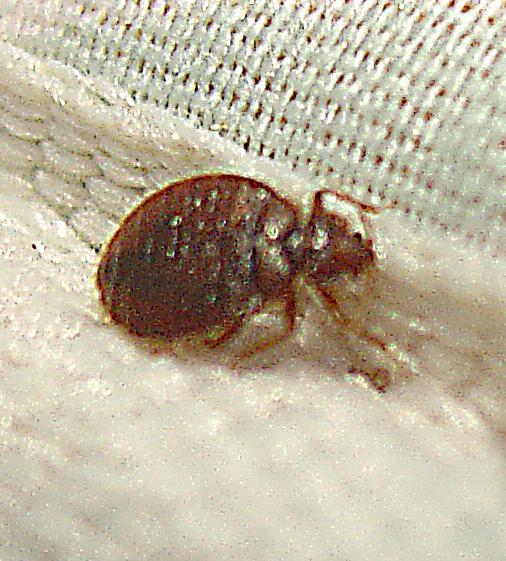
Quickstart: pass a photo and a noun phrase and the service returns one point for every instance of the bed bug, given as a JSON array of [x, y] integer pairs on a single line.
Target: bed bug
[[200, 256]]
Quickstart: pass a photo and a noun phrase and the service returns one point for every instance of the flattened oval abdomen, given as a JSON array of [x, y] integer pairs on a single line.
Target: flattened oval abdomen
[[183, 262]]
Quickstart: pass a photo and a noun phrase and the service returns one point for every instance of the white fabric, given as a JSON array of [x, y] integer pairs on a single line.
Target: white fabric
[[109, 452]]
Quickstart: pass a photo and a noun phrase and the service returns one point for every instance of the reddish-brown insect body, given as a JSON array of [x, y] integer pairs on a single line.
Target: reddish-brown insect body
[[200, 256]]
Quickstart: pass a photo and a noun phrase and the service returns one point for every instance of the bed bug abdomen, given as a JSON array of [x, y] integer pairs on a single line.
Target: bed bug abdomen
[[201, 254]]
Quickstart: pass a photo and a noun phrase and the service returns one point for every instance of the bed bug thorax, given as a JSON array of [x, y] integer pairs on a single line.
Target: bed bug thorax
[[200, 256]]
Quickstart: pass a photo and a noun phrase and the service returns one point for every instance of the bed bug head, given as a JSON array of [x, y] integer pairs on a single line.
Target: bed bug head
[[329, 245], [334, 249]]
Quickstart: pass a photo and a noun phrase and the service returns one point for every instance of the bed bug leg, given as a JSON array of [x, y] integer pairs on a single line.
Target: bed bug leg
[[379, 379], [223, 335], [289, 320], [332, 306]]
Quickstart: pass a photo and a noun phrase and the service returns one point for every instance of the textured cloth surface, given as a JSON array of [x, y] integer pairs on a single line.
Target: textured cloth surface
[[402, 100], [109, 452]]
